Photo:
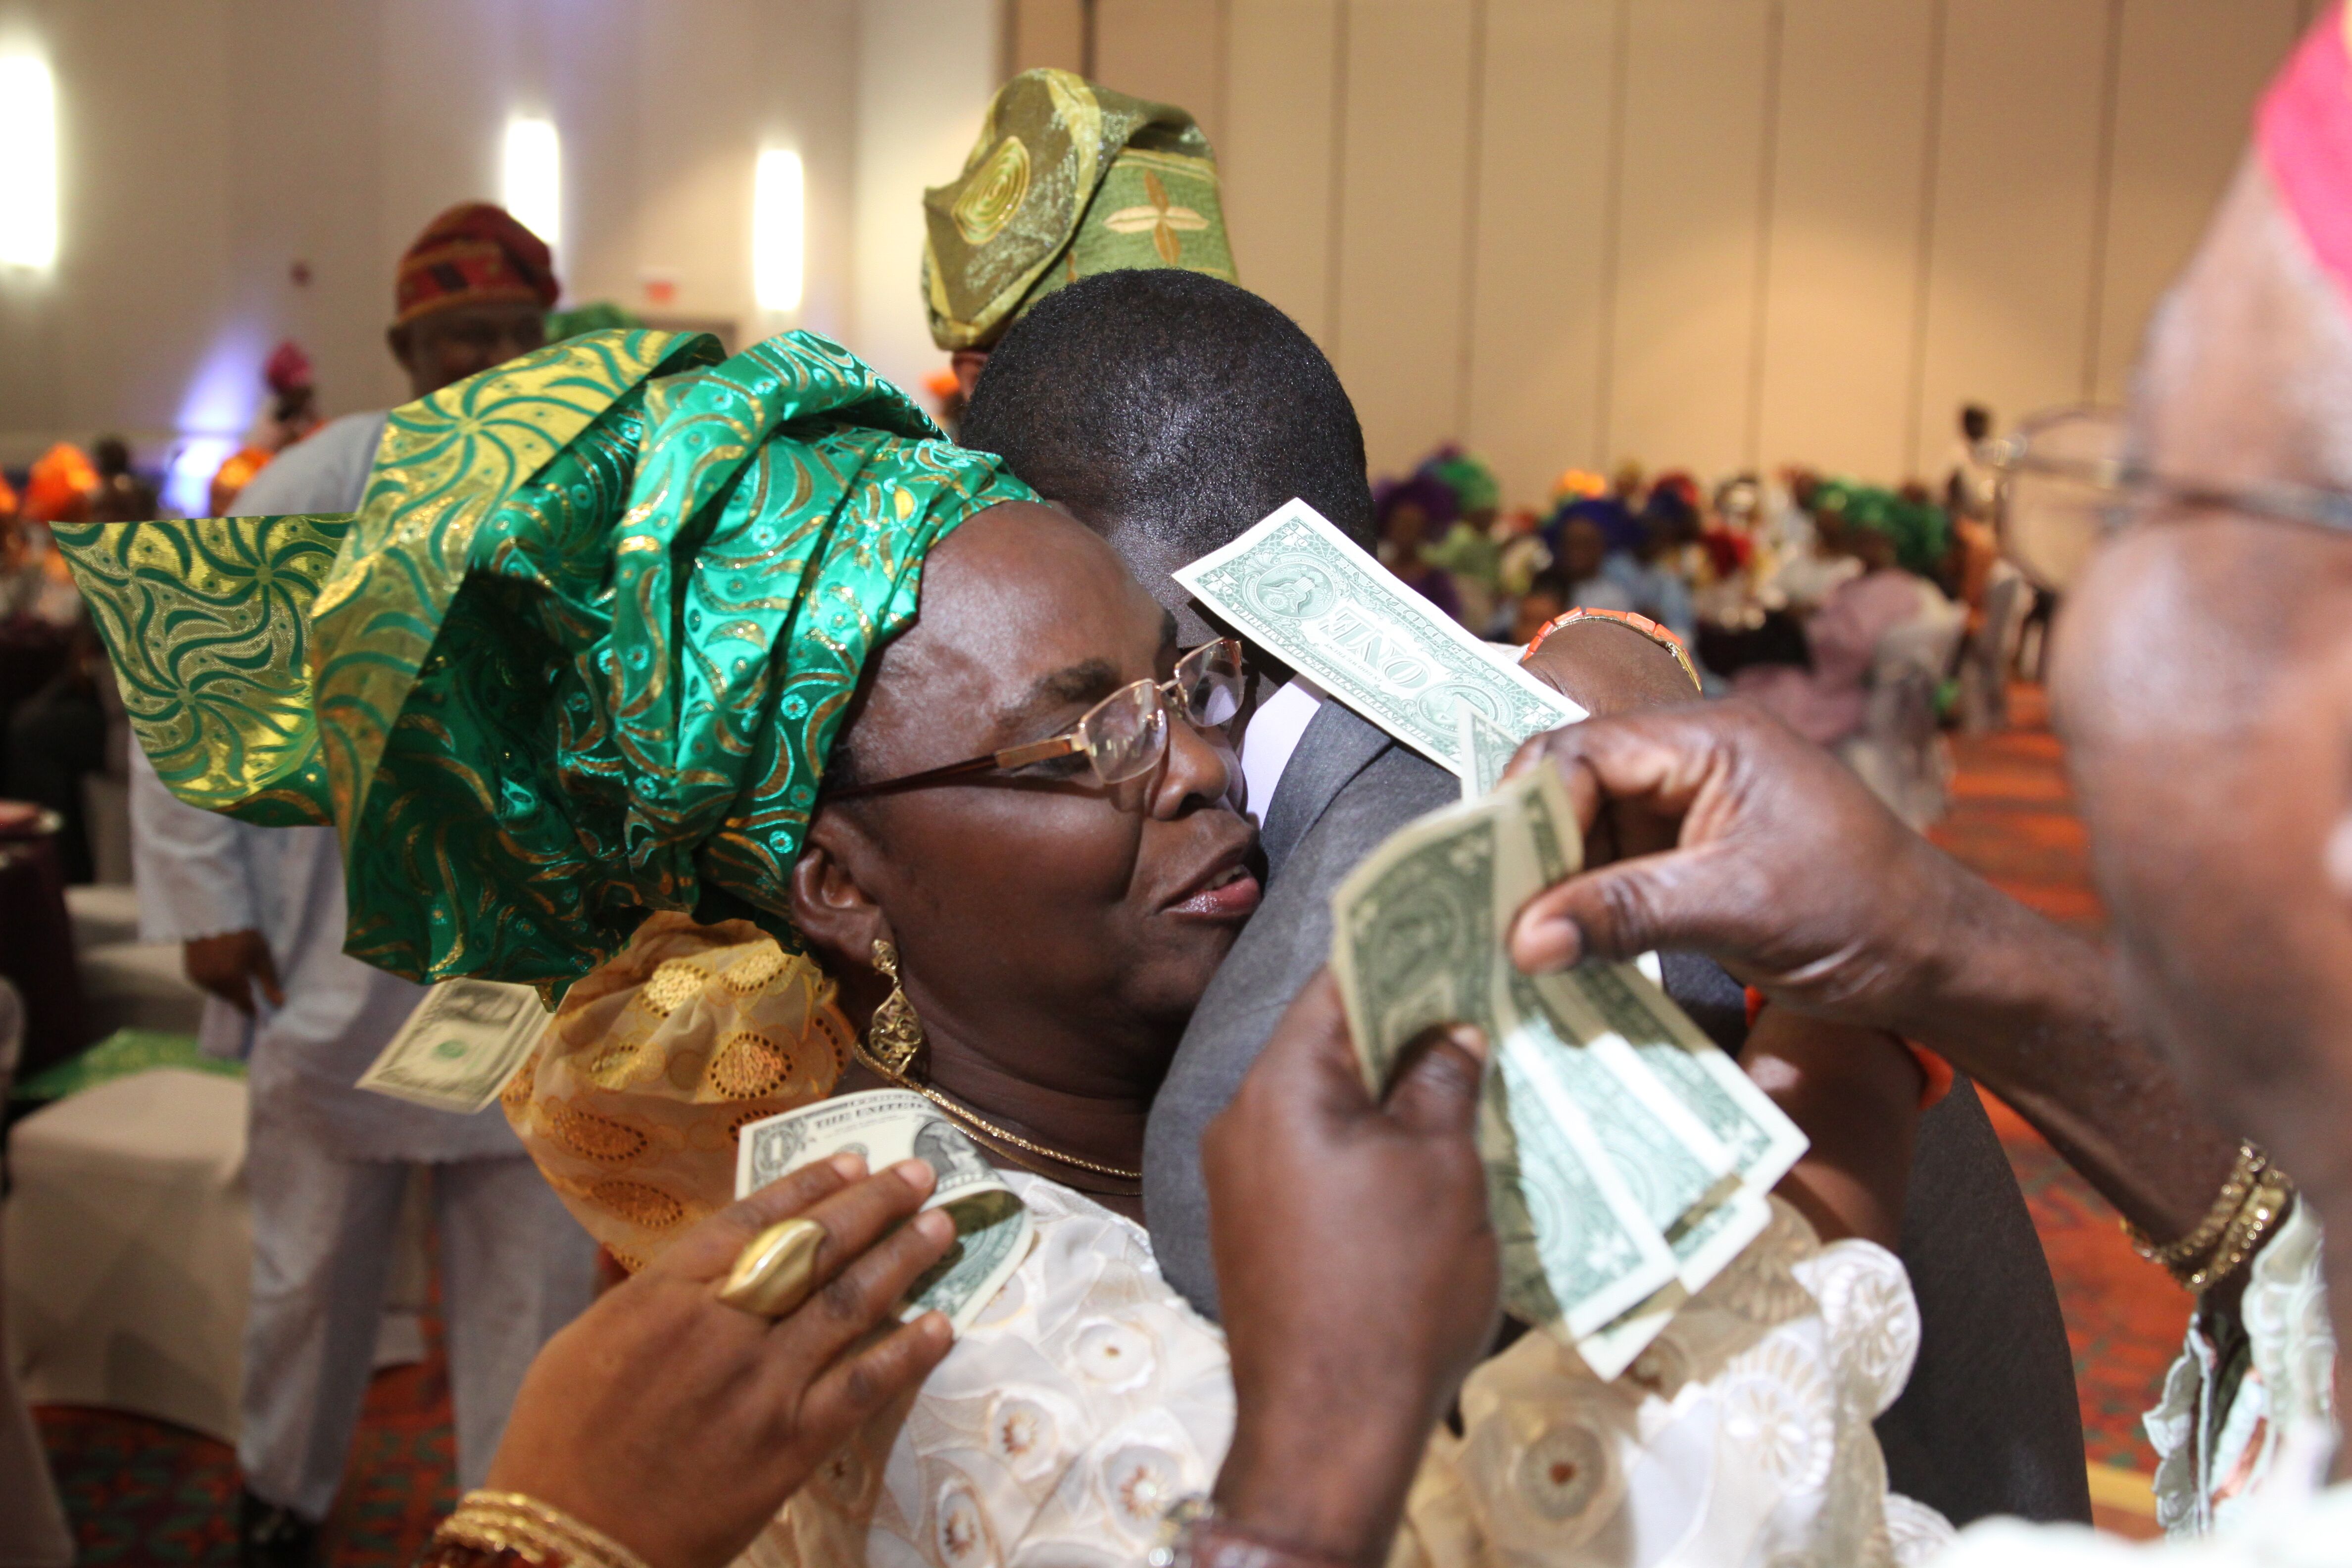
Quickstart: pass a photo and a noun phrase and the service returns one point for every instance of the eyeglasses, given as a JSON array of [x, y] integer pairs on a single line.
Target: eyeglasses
[[1123, 736], [2069, 465]]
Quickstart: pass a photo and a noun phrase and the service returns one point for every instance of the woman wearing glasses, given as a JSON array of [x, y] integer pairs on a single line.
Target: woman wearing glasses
[[623, 631]]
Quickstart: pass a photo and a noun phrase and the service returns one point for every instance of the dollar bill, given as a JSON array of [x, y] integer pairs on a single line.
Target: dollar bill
[[887, 1125], [1487, 751], [1577, 1249], [1417, 941], [1302, 590], [1617, 1007], [460, 1046], [1620, 1179], [1626, 1003]]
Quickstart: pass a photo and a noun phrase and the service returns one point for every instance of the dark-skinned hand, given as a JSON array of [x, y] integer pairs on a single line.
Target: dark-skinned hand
[[677, 1424], [1359, 1275], [230, 965], [1717, 828]]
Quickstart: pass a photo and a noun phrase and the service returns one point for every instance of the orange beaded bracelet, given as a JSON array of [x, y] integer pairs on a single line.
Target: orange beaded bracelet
[[1641, 623]]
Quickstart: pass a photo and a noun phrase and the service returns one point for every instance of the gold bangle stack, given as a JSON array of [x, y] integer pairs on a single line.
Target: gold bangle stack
[[2251, 1200], [512, 1527]]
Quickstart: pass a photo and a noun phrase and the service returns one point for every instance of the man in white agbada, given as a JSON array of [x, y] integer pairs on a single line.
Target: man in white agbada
[[261, 911]]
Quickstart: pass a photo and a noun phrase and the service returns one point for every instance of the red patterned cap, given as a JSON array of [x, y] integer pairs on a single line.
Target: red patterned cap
[[471, 254]]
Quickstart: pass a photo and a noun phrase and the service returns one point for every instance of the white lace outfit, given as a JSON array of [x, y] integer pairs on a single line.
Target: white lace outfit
[[2219, 1445], [1088, 1396], [2294, 1524], [2244, 1442]]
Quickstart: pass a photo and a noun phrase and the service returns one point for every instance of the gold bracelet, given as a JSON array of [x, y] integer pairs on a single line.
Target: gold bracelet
[[2201, 1243], [2263, 1207], [523, 1530]]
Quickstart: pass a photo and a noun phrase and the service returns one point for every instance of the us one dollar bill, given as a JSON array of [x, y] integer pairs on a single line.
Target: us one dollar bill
[[1299, 588], [887, 1125], [460, 1046], [1417, 943], [1620, 1180], [1487, 749]]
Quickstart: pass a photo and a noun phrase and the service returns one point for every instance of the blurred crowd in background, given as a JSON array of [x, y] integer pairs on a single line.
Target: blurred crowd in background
[[1870, 619]]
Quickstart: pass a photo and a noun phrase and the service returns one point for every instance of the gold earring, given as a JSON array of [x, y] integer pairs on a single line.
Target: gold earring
[[895, 1039]]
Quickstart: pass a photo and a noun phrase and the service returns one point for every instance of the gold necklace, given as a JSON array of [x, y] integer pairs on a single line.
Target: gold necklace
[[985, 1128]]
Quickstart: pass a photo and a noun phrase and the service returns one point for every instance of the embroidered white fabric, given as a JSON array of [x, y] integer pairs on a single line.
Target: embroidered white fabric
[[2214, 1458], [1089, 1396], [2291, 1523]]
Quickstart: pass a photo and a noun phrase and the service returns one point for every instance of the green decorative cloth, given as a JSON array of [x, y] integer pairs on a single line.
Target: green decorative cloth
[[1468, 552], [1920, 530], [1067, 180], [583, 649], [122, 1054]]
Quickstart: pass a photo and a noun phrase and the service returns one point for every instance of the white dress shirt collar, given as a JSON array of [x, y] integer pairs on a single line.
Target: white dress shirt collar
[[1272, 735]]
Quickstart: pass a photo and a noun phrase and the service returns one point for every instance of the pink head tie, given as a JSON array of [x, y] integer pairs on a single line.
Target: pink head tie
[[2303, 130]]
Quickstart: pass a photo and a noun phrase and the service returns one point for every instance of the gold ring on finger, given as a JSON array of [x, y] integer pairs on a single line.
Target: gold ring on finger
[[775, 1270]]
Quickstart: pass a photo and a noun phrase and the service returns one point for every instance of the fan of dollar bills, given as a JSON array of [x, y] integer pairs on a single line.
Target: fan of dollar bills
[[1627, 1157]]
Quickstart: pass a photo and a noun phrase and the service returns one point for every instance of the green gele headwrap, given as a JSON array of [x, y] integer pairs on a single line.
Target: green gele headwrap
[[1921, 532], [1067, 180], [584, 647]]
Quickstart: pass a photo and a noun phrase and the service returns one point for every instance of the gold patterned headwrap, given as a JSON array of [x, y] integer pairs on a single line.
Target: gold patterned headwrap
[[583, 649], [654, 1063], [1067, 180]]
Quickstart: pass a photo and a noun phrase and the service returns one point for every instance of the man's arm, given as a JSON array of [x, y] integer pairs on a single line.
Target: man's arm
[[1360, 1275], [196, 887], [1723, 831]]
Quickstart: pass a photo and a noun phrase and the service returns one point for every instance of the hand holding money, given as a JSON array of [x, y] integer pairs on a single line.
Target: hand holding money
[[1356, 1271], [992, 1227], [679, 1425], [1627, 1158]]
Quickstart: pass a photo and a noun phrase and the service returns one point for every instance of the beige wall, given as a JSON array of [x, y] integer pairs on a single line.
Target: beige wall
[[1713, 233], [210, 145], [926, 71], [1706, 233]]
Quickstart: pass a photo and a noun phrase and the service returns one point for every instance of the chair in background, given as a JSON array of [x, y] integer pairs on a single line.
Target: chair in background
[[130, 1238], [1900, 751]]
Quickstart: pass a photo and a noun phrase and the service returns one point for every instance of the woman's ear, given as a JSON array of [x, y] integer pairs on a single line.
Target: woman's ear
[[831, 905]]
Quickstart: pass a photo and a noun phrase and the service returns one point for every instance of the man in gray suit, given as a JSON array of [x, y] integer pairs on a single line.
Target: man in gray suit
[[1169, 412]]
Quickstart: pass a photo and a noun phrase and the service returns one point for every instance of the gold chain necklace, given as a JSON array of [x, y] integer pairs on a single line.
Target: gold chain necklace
[[985, 1128]]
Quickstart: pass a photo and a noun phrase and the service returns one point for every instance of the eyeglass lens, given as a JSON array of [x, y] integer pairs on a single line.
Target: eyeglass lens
[[1127, 735], [2054, 511]]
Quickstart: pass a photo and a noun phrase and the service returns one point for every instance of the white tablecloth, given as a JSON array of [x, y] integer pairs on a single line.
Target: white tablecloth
[[130, 1246]]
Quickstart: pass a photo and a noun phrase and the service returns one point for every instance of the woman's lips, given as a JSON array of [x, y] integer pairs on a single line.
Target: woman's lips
[[1231, 896]]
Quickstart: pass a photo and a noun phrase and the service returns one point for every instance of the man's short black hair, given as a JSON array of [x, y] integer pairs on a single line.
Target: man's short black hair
[[1173, 404]]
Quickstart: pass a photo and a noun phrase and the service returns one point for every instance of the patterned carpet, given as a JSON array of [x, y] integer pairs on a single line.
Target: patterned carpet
[[141, 1493]]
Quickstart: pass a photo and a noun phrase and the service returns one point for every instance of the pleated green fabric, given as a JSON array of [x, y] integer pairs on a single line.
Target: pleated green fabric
[[583, 649]]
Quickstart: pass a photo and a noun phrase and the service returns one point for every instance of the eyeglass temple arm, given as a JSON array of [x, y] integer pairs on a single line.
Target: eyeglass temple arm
[[1016, 757]]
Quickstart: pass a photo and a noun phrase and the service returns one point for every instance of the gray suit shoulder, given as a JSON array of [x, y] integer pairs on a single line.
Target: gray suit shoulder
[[1279, 950]]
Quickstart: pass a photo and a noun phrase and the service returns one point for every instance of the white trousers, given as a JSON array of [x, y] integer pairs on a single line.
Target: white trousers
[[515, 1268]]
